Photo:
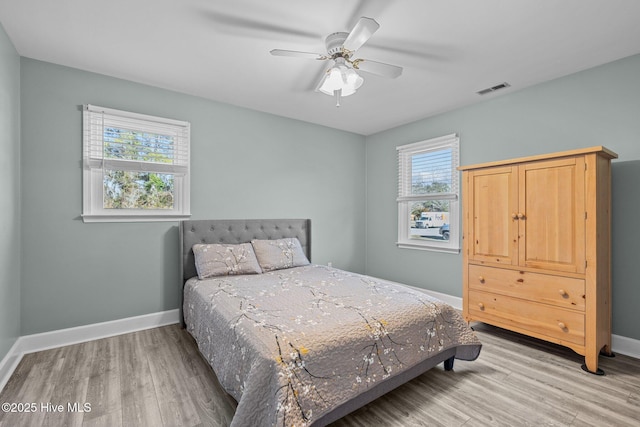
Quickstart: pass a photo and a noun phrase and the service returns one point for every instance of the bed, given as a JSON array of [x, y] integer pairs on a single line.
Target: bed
[[305, 344]]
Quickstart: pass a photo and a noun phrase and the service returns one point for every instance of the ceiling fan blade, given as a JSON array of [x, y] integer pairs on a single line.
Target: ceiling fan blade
[[295, 53], [378, 68], [368, 8], [361, 32], [246, 26]]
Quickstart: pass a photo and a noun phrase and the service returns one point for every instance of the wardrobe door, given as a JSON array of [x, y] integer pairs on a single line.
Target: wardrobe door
[[492, 216], [552, 215]]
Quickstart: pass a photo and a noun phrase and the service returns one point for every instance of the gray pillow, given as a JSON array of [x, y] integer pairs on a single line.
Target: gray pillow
[[278, 254], [222, 260]]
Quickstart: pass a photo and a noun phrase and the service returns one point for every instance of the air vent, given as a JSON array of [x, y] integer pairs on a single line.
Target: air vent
[[493, 88]]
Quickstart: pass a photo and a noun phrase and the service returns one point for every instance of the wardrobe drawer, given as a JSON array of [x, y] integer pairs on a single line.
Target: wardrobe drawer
[[556, 290], [541, 319]]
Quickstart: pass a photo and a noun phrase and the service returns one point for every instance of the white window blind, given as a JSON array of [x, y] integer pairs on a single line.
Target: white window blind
[[136, 166], [428, 172], [428, 192]]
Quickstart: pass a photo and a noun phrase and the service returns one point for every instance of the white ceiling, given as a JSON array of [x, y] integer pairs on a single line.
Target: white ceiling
[[450, 49]]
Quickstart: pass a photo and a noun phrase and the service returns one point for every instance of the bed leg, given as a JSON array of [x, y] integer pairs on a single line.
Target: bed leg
[[183, 324], [448, 364]]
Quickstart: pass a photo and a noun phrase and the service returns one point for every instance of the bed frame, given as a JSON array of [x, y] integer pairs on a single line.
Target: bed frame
[[242, 231]]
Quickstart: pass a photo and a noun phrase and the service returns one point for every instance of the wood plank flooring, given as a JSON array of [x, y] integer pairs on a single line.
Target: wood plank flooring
[[157, 378]]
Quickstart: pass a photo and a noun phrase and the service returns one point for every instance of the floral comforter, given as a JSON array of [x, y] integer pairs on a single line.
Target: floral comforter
[[291, 345]]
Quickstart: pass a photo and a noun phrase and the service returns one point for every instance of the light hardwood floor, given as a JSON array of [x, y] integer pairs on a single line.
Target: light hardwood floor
[[157, 378]]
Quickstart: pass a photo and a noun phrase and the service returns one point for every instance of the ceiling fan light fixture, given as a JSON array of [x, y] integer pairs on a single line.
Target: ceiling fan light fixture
[[341, 78]]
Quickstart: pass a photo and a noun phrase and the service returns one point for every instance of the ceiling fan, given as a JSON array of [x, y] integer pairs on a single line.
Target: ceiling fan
[[341, 79]]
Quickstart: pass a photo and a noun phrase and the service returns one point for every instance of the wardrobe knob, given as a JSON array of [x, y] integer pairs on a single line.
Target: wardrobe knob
[[481, 305], [481, 279], [561, 325], [520, 215], [562, 292]]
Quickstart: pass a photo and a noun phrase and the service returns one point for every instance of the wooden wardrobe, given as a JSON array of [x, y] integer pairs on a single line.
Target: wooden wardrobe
[[537, 248]]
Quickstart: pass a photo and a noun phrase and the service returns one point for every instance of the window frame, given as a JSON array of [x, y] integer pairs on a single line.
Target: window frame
[[406, 197], [94, 120]]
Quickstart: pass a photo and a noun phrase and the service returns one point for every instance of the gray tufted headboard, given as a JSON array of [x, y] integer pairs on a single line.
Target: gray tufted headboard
[[232, 231]]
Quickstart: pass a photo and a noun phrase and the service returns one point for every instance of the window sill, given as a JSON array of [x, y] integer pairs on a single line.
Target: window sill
[[423, 247], [134, 218]]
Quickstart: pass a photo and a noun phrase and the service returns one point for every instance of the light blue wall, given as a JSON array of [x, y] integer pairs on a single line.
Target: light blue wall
[[248, 164], [245, 164], [10, 200], [600, 106]]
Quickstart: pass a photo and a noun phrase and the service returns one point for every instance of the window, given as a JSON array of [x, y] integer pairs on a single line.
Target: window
[[135, 167], [428, 216]]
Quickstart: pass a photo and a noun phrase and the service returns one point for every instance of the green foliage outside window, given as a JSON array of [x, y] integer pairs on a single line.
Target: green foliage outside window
[[124, 189], [137, 190]]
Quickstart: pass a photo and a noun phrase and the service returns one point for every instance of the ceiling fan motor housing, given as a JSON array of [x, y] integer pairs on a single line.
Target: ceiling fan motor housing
[[334, 42]]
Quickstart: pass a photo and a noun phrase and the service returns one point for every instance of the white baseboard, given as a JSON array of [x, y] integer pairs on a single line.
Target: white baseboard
[[62, 337], [47, 340], [9, 363], [626, 346]]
